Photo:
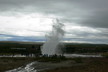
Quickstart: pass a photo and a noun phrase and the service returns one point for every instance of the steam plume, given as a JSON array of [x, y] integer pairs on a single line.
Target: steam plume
[[51, 46]]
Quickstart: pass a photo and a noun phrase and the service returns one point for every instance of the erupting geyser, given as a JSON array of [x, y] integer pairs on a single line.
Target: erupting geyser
[[52, 45]]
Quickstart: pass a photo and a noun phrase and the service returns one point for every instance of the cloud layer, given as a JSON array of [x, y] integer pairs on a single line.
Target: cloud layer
[[85, 20]]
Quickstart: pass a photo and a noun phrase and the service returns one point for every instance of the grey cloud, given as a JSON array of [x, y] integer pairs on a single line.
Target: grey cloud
[[101, 34], [92, 13], [96, 41], [21, 3], [87, 12], [99, 13], [99, 19]]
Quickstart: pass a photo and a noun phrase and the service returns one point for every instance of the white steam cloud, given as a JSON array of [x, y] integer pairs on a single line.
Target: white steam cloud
[[51, 46]]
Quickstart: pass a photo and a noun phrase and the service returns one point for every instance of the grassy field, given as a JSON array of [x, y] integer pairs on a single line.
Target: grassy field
[[78, 64], [8, 63], [88, 65]]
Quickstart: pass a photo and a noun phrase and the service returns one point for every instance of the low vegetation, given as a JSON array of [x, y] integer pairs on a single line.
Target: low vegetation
[[8, 63], [78, 64], [105, 55], [78, 60], [88, 65], [53, 58], [26, 48]]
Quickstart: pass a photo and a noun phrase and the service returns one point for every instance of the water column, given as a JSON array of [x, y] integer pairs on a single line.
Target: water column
[[51, 46]]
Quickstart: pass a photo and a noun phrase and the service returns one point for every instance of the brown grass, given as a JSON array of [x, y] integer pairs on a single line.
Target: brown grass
[[90, 65], [7, 63], [86, 64]]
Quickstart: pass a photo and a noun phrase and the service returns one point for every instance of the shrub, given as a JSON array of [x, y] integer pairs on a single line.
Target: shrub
[[105, 55], [78, 60], [53, 58]]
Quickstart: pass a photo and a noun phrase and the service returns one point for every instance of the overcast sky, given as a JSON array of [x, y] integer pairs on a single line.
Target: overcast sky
[[86, 21]]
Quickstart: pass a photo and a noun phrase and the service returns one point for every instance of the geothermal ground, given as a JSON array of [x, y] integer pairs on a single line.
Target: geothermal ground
[[84, 65], [70, 65], [8, 63]]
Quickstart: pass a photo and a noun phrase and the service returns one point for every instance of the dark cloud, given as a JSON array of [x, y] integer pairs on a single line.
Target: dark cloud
[[91, 12], [87, 13], [99, 19]]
